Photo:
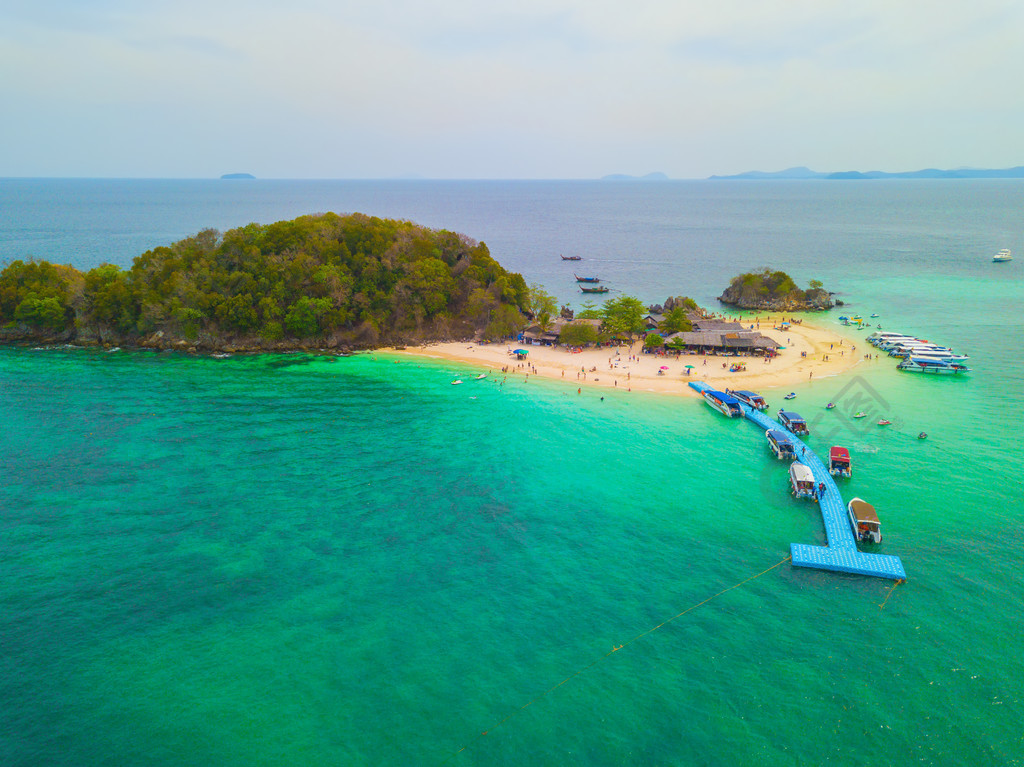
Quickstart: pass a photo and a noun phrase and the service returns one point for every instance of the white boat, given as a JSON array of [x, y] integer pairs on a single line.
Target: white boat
[[724, 403], [1003, 255], [481, 377], [780, 444], [801, 479], [864, 521], [794, 422], [456, 382], [753, 399], [934, 366]]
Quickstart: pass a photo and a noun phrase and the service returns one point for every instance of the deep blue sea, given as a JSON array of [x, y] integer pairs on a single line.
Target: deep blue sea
[[284, 560]]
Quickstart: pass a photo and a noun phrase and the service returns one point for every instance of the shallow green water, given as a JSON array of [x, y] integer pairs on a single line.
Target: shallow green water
[[270, 560]]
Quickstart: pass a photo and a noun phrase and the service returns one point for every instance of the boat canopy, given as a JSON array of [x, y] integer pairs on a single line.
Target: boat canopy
[[864, 511], [725, 399], [801, 473], [839, 454], [790, 416], [779, 437]]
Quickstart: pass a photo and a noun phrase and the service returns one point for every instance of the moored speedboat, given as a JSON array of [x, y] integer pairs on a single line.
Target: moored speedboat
[[456, 382], [791, 395], [1003, 255], [597, 289], [753, 399], [725, 404], [586, 279], [864, 521], [794, 422], [932, 365], [839, 464], [481, 376], [860, 414], [780, 444], [885, 422], [801, 480], [830, 406]]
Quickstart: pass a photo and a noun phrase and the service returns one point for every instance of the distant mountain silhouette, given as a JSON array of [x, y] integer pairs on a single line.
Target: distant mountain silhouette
[[623, 177], [804, 173], [237, 175]]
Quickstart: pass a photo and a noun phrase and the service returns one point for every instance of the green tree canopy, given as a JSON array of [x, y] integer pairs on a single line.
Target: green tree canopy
[[540, 301], [578, 334], [356, 277], [623, 315], [675, 321]]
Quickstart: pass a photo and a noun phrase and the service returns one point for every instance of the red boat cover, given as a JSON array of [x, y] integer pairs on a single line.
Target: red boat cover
[[839, 454]]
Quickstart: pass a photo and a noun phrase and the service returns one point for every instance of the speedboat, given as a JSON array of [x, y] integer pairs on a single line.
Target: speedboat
[[874, 315], [456, 382], [932, 365], [780, 444], [753, 399], [860, 414], [1003, 255], [839, 464], [884, 422], [481, 376], [794, 422], [791, 395], [830, 405], [801, 480], [864, 521], [725, 404]]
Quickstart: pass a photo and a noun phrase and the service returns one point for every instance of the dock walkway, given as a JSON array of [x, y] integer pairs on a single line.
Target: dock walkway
[[841, 553]]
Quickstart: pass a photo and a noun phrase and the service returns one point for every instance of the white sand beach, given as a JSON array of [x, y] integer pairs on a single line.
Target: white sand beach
[[811, 352]]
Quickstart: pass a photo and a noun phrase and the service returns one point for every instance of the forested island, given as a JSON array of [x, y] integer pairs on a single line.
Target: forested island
[[319, 281], [775, 291]]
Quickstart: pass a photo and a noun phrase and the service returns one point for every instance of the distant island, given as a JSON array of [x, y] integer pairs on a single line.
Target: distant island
[[807, 173], [237, 175], [770, 290], [657, 176], [317, 282]]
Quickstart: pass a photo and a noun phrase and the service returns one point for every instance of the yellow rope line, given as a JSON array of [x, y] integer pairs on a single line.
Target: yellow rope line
[[612, 651], [897, 583]]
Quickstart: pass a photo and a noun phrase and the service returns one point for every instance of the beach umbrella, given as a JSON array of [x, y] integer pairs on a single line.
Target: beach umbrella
[[689, 366], [520, 352], [664, 367]]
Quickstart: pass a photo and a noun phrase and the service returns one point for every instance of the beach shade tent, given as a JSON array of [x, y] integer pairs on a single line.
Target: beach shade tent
[[520, 352]]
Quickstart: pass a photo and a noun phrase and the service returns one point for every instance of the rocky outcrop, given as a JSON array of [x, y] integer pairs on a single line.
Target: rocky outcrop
[[809, 301], [768, 290]]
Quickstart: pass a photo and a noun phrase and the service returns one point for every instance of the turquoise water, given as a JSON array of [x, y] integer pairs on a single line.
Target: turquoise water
[[267, 560], [301, 560]]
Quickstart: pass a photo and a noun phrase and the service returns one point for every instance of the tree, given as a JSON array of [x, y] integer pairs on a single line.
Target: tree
[[540, 301], [815, 284], [589, 311], [578, 334], [676, 321], [653, 341], [623, 315]]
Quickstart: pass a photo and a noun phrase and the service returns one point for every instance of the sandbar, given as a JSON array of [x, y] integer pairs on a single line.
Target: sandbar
[[811, 352]]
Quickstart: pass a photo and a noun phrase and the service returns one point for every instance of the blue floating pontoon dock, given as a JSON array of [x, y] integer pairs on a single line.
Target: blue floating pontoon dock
[[841, 554]]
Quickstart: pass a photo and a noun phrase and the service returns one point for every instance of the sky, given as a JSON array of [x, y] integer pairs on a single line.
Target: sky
[[506, 89]]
